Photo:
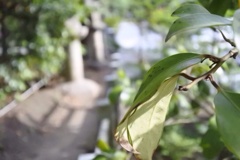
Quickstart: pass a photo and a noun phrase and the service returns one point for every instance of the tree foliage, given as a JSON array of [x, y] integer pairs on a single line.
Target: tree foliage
[[33, 37], [154, 12], [139, 129]]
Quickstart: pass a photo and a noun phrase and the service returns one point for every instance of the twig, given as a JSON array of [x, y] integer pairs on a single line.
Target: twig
[[210, 77], [187, 76], [212, 58], [231, 54], [226, 39]]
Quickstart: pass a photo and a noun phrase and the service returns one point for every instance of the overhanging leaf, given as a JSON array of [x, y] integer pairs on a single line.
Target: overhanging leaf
[[158, 81], [141, 131], [189, 9], [228, 119], [162, 70], [195, 21], [236, 28]]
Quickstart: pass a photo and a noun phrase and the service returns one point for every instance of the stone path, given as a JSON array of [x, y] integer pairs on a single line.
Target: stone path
[[53, 124]]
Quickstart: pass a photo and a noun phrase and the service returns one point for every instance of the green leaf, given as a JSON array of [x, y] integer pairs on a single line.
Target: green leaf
[[189, 9], [228, 119], [158, 82], [211, 142], [195, 21], [141, 131], [236, 28], [162, 70]]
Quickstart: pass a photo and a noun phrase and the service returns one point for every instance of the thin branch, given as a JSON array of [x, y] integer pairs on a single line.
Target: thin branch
[[187, 76], [212, 58], [210, 77], [231, 54], [226, 39]]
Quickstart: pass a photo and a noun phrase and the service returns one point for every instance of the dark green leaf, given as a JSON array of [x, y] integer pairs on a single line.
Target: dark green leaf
[[162, 70], [219, 7], [189, 9], [228, 119], [204, 3], [195, 21]]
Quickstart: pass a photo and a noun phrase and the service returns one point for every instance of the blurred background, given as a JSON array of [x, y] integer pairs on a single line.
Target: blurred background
[[70, 69]]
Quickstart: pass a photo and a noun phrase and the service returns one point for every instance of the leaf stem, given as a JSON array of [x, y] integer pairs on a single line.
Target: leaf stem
[[208, 75]]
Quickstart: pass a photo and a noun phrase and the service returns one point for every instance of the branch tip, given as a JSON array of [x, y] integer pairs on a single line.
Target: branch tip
[[182, 88], [210, 77], [226, 39]]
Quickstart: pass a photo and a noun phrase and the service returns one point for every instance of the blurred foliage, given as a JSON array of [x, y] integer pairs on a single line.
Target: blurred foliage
[[124, 89], [108, 153], [155, 12], [179, 142], [33, 37], [211, 141]]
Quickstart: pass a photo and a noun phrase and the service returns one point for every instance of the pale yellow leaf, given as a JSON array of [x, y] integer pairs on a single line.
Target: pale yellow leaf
[[141, 131]]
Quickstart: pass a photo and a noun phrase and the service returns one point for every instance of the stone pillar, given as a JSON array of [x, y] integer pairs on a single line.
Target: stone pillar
[[98, 40], [99, 46], [75, 52], [95, 40], [75, 60]]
